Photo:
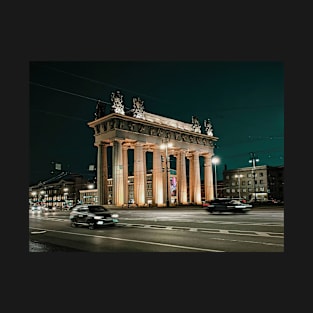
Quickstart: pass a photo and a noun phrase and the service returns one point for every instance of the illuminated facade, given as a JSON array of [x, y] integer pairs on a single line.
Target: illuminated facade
[[145, 132]]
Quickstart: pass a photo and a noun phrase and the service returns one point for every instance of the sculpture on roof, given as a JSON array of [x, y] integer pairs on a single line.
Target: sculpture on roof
[[100, 110], [138, 108], [208, 127], [196, 125], [117, 100]]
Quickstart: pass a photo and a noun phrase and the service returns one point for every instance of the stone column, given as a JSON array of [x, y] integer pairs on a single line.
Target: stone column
[[166, 178], [139, 173], [208, 178], [191, 178], [125, 172], [181, 177], [157, 178], [197, 179], [117, 173], [144, 159], [102, 174]]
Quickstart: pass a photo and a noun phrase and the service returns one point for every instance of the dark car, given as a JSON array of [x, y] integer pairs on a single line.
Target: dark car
[[227, 205], [92, 216]]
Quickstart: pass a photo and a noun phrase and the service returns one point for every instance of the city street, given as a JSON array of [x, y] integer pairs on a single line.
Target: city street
[[163, 230]]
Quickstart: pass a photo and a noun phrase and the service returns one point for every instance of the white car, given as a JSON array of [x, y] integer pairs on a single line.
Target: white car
[[36, 208], [92, 216]]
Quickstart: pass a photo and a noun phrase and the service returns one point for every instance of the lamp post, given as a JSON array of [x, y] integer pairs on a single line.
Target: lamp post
[[165, 146], [253, 160], [239, 176], [215, 161], [34, 196], [65, 195]]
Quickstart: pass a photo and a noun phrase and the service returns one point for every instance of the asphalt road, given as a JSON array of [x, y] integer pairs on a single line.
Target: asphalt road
[[171, 230]]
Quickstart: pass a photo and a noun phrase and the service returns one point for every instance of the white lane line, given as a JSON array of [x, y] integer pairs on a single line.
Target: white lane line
[[203, 230], [38, 232], [250, 241], [137, 241], [223, 231], [209, 230]]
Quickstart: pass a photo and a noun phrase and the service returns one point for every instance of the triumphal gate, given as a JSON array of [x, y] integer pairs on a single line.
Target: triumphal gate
[[146, 132]]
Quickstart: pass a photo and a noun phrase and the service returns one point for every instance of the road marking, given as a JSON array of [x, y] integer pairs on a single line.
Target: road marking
[[208, 230], [38, 232], [250, 241], [137, 241], [193, 229]]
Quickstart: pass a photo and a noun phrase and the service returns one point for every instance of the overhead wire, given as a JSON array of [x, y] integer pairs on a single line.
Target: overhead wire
[[115, 86], [106, 84]]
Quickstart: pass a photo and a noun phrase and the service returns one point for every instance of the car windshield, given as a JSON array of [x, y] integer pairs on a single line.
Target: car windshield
[[95, 209]]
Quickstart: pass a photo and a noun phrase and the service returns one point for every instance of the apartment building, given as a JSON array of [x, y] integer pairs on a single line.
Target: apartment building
[[260, 183]]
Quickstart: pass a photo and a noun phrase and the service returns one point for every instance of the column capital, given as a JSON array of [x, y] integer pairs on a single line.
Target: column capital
[[104, 144], [138, 143], [207, 154]]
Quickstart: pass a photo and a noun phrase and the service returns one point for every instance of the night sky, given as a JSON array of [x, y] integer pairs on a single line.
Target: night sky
[[243, 100]]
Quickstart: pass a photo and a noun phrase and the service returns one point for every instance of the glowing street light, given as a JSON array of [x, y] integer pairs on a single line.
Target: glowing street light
[[165, 146], [215, 161], [91, 186], [34, 196]]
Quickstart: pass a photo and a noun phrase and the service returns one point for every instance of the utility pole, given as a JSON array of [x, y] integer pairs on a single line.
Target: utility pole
[[253, 160]]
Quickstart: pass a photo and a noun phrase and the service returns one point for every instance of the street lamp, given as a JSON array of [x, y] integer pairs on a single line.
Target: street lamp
[[91, 186], [239, 176], [165, 146], [65, 195], [253, 160], [215, 160], [34, 195]]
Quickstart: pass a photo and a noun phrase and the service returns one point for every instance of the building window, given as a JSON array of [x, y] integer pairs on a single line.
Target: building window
[[261, 181], [249, 182]]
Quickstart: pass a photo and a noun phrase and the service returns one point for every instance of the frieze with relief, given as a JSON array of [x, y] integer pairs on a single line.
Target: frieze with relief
[[117, 123], [104, 126]]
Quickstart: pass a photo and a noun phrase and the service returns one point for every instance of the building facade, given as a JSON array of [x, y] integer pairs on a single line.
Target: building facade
[[60, 191], [261, 183], [164, 137]]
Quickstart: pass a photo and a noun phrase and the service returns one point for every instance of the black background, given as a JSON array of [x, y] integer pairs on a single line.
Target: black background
[[156, 32]]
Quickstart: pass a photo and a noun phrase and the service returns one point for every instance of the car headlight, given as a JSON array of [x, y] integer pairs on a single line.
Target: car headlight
[[115, 215]]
